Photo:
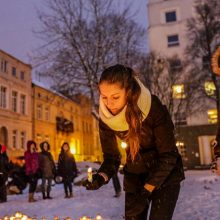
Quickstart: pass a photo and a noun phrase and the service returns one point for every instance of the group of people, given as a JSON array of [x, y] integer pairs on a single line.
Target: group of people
[[41, 166], [153, 170]]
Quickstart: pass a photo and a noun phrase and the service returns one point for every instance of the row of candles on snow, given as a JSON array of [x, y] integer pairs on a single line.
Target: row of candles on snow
[[21, 216]]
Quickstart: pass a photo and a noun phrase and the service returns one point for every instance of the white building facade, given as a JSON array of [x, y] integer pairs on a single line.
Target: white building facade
[[167, 36]]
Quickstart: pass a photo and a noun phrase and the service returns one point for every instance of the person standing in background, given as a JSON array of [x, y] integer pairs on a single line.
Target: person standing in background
[[32, 168], [67, 169], [47, 168]]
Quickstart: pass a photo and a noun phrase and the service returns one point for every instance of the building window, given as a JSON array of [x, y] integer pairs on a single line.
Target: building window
[[23, 104], [178, 92], [13, 71], [47, 138], [173, 40], [22, 139], [22, 75], [14, 138], [209, 88], [3, 99], [170, 16], [38, 138], [39, 111], [175, 65], [212, 116], [4, 65], [180, 119], [14, 101], [47, 114]]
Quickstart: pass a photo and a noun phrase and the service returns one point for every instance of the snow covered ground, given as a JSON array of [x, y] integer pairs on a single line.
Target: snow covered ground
[[199, 200]]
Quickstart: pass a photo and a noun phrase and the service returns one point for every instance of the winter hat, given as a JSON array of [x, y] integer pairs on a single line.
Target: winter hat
[[42, 145], [29, 143]]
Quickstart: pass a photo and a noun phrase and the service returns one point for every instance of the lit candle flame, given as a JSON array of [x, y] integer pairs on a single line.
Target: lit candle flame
[[89, 171]]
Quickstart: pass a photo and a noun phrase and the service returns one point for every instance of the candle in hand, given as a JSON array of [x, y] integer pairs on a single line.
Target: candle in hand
[[89, 174]]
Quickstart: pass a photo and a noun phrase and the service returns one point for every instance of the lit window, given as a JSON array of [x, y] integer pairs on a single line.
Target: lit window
[[47, 138], [38, 138], [170, 16], [14, 101], [172, 40], [22, 139], [23, 104], [210, 88], [3, 91], [178, 92], [212, 116], [39, 112], [47, 114], [14, 138]]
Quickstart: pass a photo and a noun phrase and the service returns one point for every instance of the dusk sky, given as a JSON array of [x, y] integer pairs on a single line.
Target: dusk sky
[[18, 19]]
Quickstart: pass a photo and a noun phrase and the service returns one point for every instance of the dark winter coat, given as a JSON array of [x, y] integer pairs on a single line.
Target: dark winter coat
[[67, 165], [47, 165], [158, 162], [4, 167], [31, 161]]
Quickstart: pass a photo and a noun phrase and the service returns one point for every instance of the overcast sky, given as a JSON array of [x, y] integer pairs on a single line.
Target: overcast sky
[[18, 19]]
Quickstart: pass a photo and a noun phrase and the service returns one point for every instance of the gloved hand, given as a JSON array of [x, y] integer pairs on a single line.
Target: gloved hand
[[97, 182], [137, 202]]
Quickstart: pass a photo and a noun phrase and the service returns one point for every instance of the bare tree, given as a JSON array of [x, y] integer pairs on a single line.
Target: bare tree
[[82, 38], [160, 75], [203, 33]]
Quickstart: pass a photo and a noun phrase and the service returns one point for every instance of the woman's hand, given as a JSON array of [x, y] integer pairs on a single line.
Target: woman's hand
[[97, 182]]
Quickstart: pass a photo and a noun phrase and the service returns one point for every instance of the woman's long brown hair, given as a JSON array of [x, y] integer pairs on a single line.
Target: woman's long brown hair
[[125, 76]]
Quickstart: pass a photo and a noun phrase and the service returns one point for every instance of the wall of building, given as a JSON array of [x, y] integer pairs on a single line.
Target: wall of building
[[15, 113]]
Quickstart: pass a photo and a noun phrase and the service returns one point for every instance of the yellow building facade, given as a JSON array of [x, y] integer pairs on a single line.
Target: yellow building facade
[[15, 104], [58, 119]]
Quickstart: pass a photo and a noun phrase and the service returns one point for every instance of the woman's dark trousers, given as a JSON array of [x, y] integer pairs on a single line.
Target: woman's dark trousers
[[67, 183], [32, 184], [3, 193], [116, 184], [46, 187], [163, 202]]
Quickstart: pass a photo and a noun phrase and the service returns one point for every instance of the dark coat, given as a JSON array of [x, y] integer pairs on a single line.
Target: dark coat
[[46, 164], [67, 165], [4, 167], [158, 162]]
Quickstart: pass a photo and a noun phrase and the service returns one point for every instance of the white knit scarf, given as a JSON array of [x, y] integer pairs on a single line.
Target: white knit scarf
[[118, 122]]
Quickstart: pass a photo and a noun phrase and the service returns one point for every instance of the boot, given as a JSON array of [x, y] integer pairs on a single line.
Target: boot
[[117, 194], [66, 195], [31, 197], [71, 195], [44, 195], [48, 195]]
